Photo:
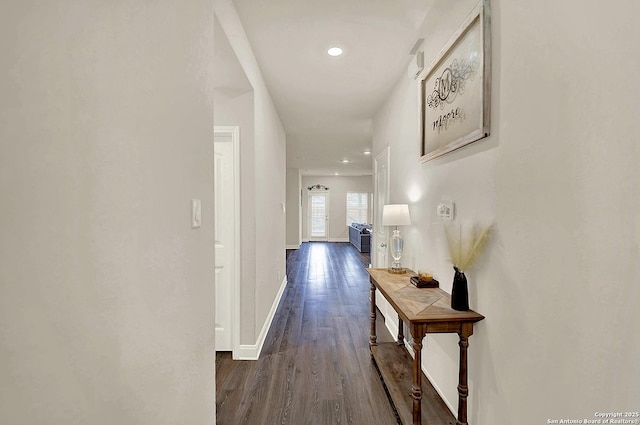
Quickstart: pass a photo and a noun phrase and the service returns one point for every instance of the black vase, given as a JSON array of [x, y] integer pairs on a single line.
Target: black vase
[[460, 292]]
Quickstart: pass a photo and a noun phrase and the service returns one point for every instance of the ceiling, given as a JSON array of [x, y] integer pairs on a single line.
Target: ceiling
[[326, 103]]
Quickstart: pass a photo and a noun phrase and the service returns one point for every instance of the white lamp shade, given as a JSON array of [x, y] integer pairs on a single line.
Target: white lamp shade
[[396, 215]]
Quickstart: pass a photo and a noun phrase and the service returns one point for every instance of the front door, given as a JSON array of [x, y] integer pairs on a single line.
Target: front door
[[318, 216]]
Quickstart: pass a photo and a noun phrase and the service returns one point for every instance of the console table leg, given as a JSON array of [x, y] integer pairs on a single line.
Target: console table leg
[[400, 340], [373, 338], [463, 390], [416, 388]]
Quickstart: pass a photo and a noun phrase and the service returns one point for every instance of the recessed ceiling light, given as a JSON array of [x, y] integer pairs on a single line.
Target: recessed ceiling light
[[345, 161], [367, 152], [336, 174], [334, 51]]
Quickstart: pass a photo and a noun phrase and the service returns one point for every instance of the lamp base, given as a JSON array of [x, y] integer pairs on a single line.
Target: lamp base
[[397, 270]]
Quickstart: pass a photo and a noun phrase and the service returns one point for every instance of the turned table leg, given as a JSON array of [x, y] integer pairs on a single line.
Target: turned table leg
[[400, 340], [372, 337], [416, 388], [463, 390]]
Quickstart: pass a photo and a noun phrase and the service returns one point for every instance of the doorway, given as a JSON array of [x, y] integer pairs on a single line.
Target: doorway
[[318, 216], [226, 144], [380, 198]]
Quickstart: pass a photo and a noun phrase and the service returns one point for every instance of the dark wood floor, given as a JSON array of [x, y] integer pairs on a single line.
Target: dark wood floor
[[315, 366]]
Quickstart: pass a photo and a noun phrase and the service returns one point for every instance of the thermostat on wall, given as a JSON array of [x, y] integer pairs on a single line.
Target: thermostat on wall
[[446, 210]]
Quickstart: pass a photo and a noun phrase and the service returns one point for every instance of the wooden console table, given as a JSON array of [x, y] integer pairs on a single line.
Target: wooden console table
[[424, 310]]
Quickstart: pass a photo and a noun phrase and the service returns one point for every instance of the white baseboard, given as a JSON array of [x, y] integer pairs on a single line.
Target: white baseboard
[[338, 239], [292, 246], [453, 410], [246, 352], [392, 326], [252, 352], [329, 240]]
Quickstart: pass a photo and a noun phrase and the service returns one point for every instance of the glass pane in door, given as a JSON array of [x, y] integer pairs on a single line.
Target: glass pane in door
[[318, 216]]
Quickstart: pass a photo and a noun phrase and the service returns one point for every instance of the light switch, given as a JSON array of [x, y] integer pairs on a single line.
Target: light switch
[[445, 210], [196, 213]]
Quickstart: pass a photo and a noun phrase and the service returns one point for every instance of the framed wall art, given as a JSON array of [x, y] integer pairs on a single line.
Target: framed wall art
[[456, 89]]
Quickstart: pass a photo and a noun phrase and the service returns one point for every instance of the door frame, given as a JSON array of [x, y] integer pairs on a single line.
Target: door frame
[[234, 132], [326, 215], [375, 242]]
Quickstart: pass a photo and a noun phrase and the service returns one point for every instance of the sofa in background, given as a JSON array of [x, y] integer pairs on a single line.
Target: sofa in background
[[360, 236]]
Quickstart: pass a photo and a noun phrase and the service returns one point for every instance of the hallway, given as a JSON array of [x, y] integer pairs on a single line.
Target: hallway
[[315, 367]]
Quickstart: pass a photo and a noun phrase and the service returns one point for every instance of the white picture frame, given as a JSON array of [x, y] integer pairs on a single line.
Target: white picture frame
[[455, 91]]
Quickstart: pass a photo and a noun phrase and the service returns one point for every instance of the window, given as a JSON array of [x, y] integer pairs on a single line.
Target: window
[[357, 207]]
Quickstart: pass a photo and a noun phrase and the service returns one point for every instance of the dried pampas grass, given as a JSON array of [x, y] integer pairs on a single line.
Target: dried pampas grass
[[466, 246]]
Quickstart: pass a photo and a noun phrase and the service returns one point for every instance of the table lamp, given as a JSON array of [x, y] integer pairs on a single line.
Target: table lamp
[[396, 215]]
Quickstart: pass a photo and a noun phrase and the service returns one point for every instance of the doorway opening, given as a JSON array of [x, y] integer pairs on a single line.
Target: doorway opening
[[318, 216], [227, 237], [381, 167]]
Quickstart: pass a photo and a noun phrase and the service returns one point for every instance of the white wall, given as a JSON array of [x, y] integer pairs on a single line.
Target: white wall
[[106, 293], [559, 178], [294, 212], [338, 188], [269, 183]]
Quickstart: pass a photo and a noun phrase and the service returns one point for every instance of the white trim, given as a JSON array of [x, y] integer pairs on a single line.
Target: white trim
[[292, 246], [234, 132], [247, 352], [338, 239], [453, 410], [324, 238], [375, 243], [252, 352], [391, 323], [305, 240]]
